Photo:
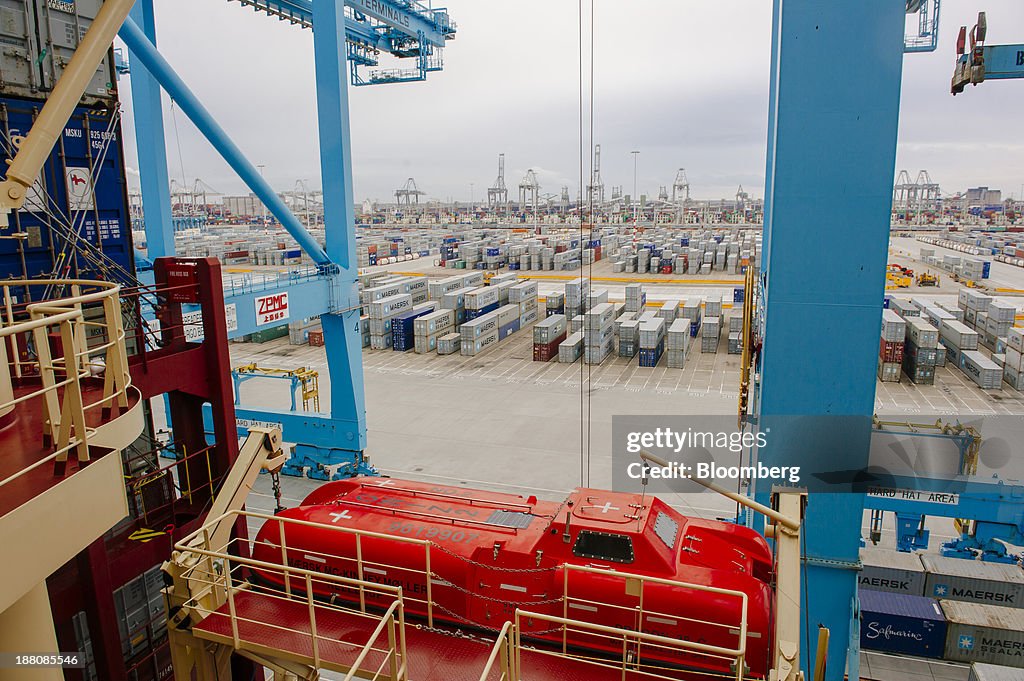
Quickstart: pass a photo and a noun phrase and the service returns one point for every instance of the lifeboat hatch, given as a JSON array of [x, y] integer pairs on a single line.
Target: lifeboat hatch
[[515, 519], [617, 548], [604, 510]]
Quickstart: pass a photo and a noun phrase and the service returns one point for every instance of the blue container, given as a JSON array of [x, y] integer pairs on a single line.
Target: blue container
[[694, 327], [493, 251], [473, 314], [901, 624], [86, 132], [885, 301], [293, 253], [737, 294], [403, 336], [986, 269], [507, 330], [650, 357], [684, 241], [513, 266]]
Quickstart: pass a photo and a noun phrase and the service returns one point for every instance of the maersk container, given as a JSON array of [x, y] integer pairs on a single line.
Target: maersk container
[[390, 307], [981, 671], [983, 371], [529, 316], [522, 292], [973, 581], [472, 347], [890, 570], [481, 298], [73, 183], [435, 322], [984, 633], [377, 293], [901, 624], [479, 327]]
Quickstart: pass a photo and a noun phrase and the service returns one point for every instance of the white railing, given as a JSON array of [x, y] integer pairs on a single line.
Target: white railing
[[90, 331]]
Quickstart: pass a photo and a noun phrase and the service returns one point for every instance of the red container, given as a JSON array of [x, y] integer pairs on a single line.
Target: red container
[[597, 253], [666, 269], [890, 351], [316, 338], [545, 352]]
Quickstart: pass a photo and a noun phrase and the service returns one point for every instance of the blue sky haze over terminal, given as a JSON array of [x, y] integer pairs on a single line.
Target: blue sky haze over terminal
[[685, 82]]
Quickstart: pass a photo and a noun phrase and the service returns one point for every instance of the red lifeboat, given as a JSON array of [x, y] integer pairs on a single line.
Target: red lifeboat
[[491, 554]]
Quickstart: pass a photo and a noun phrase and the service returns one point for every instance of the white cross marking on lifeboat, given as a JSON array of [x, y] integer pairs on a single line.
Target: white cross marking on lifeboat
[[607, 507], [387, 482], [335, 517]]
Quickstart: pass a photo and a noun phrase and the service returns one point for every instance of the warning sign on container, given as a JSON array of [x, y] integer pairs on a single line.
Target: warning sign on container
[[79, 184]]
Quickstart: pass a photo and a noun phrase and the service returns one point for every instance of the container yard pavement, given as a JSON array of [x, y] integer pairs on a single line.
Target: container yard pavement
[[501, 416]]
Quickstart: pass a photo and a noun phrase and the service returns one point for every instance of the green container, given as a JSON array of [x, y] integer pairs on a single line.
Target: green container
[[264, 335], [460, 264]]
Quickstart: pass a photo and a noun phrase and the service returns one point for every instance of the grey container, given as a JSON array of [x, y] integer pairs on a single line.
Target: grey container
[[651, 332], [981, 671], [982, 370], [449, 344], [923, 334], [712, 327], [735, 343], [39, 39], [983, 633], [600, 316], [890, 570], [549, 329], [480, 327], [678, 335], [958, 334], [571, 348], [475, 346], [903, 307], [675, 359], [713, 306], [433, 323], [973, 581], [894, 327]]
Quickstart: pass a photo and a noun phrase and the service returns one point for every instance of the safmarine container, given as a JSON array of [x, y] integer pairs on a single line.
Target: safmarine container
[[901, 624], [890, 570], [984, 633], [974, 581]]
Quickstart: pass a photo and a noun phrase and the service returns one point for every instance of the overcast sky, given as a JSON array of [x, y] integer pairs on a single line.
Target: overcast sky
[[685, 82]]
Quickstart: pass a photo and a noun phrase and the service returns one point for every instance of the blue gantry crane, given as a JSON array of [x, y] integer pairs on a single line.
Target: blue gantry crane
[[349, 38], [984, 62]]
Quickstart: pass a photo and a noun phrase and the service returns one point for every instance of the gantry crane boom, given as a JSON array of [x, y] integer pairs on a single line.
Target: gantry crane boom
[[984, 62]]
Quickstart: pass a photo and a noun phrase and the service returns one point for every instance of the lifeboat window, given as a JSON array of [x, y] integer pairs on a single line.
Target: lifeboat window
[[514, 519], [617, 548], [667, 529]]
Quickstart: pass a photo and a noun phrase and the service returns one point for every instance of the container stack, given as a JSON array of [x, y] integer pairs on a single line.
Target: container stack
[[481, 301], [508, 320], [920, 351], [571, 348], [1013, 366], [524, 296], [957, 338], [890, 347], [713, 306], [677, 342], [429, 328], [403, 336], [599, 333], [479, 334], [298, 331], [628, 334], [381, 313], [576, 293], [595, 298], [554, 303], [668, 310], [691, 309], [636, 299], [652, 341], [711, 331], [547, 336]]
